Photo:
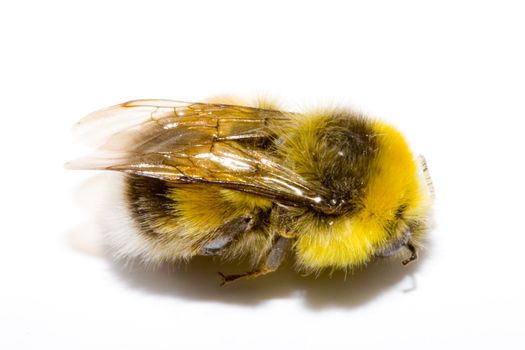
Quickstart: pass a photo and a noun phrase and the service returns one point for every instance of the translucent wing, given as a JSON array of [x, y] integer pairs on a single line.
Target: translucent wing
[[198, 143]]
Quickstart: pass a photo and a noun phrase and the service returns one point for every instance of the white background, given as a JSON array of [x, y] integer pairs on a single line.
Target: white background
[[449, 74]]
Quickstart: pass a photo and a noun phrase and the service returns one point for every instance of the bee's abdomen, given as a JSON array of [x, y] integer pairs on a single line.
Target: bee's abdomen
[[179, 221], [149, 203]]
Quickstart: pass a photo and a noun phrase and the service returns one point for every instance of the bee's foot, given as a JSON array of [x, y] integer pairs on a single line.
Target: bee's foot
[[227, 279]]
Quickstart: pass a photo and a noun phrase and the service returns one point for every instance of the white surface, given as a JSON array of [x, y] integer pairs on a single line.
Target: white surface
[[450, 75]]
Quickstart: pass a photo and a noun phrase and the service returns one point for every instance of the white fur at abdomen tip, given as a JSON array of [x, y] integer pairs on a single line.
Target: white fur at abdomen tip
[[120, 232]]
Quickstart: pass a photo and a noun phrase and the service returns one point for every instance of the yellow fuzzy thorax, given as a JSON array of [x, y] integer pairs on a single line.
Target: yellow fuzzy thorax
[[353, 239]]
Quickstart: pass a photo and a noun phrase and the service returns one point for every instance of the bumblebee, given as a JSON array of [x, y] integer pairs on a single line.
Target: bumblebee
[[334, 188]]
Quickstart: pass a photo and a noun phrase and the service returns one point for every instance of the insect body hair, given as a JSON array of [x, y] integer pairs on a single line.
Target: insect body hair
[[366, 166]]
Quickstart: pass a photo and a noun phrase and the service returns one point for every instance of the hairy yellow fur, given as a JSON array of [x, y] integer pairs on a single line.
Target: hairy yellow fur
[[198, 212], [352, 240], [300, 140]]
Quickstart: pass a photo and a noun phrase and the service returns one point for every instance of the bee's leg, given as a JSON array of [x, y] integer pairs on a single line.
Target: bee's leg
[[227, 233], [272, 261], [413, 254]]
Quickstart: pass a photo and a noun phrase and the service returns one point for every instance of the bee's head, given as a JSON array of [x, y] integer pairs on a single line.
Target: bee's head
[[384, 187]]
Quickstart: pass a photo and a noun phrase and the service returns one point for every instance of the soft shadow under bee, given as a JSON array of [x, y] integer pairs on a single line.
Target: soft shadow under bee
[[198, 280]]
